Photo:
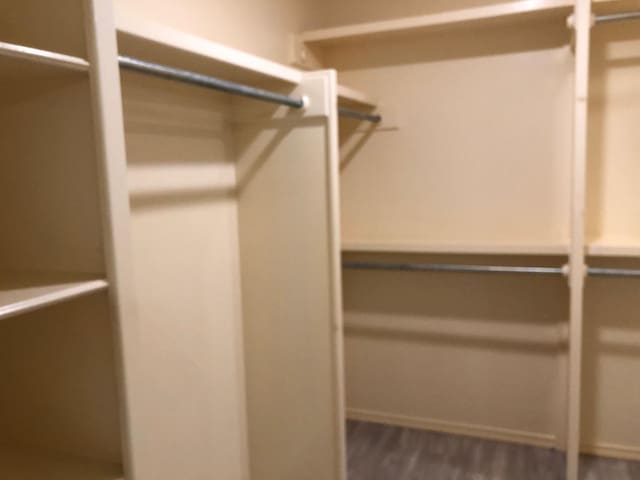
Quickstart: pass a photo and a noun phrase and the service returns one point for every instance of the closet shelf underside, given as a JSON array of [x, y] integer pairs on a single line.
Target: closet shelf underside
[[472, 249], [503, 13], [157, 43], [21, 292], [30, 464]]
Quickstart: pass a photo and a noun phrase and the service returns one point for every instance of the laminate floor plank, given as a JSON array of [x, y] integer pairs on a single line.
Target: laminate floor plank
[[381, 452]]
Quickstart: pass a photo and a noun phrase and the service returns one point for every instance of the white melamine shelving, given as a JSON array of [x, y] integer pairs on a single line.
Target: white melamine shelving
[[478, 249], [508, 12], [158, 43], [512, 11], [35, 69], [613, 248], [43, 56], [22, 292], [23, 464]]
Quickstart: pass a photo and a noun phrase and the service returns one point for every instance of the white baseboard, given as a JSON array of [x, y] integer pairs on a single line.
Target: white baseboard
[[457, 428], [612, 450], [600, 449]]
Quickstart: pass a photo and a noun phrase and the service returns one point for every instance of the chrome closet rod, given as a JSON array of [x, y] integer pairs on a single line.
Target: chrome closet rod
[[198, 79], [613, 272], [444, 267], [617, 17], [369, 117]]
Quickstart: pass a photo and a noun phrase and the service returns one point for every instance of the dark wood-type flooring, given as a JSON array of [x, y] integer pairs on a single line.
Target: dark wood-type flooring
[[380, 452]]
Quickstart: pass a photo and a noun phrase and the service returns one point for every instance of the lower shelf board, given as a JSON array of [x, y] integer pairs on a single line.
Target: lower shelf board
[[28, 464], [614, 248], [455, 249], [21, 292]]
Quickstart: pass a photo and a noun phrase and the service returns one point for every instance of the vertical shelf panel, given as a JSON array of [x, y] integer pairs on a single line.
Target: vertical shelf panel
[[577, 253], [288, 250], [181, 177]]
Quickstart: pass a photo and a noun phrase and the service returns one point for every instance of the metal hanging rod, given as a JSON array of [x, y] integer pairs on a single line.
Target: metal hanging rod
[[617, 17], [442, 267], [208, 82], [613, 272], [456, 268], [369, 117]]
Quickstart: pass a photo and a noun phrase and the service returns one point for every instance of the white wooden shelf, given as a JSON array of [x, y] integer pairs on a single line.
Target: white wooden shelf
[[21, 292], [23, 69], [160, 44], [22, 464], [614, 248], [478, 249], [43, 56], [506, 12]]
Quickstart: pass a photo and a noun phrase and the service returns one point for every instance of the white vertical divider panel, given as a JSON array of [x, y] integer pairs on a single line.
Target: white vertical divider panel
[[583, 21], [336, 261], [181, 173], [109, 131], [289, 254]]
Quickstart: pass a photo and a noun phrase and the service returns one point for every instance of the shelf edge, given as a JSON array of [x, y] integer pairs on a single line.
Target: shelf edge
[[79, 289], [192, 44], [359, 247], [43, 56], [441, 19], [612, 250]]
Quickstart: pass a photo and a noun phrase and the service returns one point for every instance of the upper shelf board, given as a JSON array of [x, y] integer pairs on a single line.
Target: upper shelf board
[[22, 292], [24, 70], [508, 12], [470, 249], [512, 11], [160, 44], [43, 56]]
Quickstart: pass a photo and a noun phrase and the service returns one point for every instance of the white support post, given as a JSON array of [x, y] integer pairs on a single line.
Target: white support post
[[109, 130], [583, 23]]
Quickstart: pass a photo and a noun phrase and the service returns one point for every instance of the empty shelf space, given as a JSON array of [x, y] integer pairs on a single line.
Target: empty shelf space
[[21, 292], [507, 12], [29, 464], [43, 56], [472, 249], [160, 44], [57, 26]]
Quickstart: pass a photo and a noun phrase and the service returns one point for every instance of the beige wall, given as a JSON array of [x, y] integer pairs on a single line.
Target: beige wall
[[480, 157], [261, 27], [466, 353]]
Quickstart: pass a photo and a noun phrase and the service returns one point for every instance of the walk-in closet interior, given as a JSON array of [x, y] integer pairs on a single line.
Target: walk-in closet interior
[[320, 240]]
